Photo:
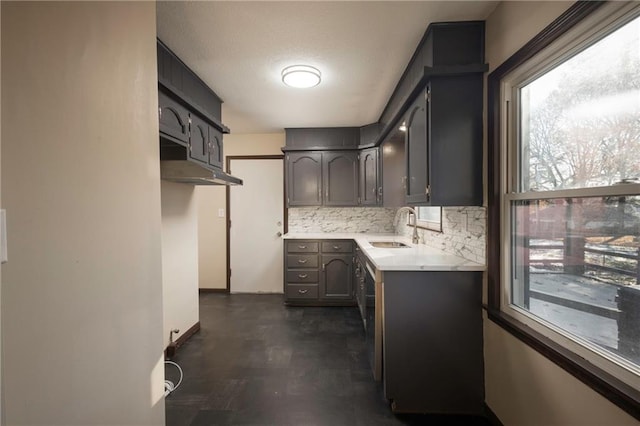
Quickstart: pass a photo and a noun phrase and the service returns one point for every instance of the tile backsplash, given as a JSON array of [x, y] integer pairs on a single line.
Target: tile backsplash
[[463, 228], [374, 220], [463, 232]]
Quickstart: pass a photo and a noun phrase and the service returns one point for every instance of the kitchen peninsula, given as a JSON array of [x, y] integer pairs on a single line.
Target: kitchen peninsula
[[425, 322]]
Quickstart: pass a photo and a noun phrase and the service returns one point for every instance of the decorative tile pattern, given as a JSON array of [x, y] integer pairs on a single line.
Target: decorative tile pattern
[[374, 220], [463, 228], [463, 232]]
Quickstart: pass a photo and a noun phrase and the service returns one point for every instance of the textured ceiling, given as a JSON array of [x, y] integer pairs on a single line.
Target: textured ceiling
[[239, 49]]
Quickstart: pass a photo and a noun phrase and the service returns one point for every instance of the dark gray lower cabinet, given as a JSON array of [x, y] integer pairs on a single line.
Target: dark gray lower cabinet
[[337, 277], [432, 342], [318, 272]]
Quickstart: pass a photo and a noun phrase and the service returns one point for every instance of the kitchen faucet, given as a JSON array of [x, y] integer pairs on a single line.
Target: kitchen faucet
[[414, 237]]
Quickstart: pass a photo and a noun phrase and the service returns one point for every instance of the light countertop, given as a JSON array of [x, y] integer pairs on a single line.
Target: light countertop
[[416, 257]]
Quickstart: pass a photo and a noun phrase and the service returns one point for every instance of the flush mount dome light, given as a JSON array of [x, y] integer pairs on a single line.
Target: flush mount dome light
[[301, 76]]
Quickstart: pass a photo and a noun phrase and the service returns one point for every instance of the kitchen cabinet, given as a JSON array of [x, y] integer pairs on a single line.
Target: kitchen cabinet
[[174, 119], [323, 138], [322, 178], [304, 179], [215, 154], [199, 139], [340, 178], [432, 341], [370, 187], [178, 124], [444, 142], [318, 272], [174, 76], [337, 270], [189, 113], [360, 290]]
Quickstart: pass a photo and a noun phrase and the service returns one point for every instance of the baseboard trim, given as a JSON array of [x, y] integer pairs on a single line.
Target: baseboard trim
[[491, 416], [187, 334], [212, 290], [172, 348]]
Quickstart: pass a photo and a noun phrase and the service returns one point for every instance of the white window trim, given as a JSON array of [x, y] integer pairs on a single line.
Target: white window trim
[[610, 17]]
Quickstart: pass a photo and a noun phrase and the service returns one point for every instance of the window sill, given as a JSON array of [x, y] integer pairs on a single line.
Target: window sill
[[621, 394]]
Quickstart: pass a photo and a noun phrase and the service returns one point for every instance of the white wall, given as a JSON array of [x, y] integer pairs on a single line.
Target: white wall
[[522, 386], [179, 258], [82, 293], [212, 230]]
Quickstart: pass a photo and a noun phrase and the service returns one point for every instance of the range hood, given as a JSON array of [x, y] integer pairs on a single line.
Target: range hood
[[177, 166], [186, 171]]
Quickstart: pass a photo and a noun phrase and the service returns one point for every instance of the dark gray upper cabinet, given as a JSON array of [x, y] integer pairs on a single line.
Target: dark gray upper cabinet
[[369, 134], [327, 178], [340, 178], [215, 147], [199, 145], [322, 138], [175, 76], [370, 189], [304, 179], [444, 142], [337, 277], [174, 119], [417, 179], [446, 47]]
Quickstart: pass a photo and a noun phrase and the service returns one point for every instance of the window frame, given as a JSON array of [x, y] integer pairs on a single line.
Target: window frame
[[570, 32], [431, 225]]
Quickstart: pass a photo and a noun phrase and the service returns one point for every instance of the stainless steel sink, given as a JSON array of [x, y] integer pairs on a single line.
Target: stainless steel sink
[[387, 244]]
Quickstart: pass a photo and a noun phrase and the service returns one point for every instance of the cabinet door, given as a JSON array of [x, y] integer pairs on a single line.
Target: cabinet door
[[369, 189], [340, 178], [174, 119], [304, 179], [417, 151], [199, 139], [337, 277], [215, 147]]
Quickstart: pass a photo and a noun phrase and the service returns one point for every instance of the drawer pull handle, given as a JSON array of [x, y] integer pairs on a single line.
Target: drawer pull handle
[[303, 276], [302, 247], [302, 260], [336, 247], [302, 291]]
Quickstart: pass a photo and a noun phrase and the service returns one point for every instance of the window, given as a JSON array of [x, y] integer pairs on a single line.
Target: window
[[566, 253], [428, 218]]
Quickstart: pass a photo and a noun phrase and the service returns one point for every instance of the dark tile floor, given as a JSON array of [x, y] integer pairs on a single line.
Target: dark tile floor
[[257, 362]]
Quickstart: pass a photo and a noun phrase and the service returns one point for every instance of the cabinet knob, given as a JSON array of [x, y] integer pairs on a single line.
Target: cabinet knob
[[336, 247], [302, 276], [302, 260], [302, 247], [302, 291]]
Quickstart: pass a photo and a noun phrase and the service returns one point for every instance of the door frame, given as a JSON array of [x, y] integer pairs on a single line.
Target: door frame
[[285, 210]]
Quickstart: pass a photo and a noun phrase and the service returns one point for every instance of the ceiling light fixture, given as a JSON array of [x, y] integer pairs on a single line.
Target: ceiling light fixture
[[301, 76], [403, 127]]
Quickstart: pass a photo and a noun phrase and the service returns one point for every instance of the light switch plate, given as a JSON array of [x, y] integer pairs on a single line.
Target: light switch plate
[[220, 212]]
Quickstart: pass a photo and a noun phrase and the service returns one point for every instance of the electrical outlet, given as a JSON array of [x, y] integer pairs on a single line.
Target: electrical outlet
[[220, 212]]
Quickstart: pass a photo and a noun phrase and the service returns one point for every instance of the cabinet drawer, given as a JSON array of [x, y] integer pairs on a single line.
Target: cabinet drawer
[[303, 276], [337, 246], [302, 246], [302, 291], [302, 261]]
